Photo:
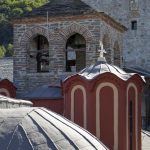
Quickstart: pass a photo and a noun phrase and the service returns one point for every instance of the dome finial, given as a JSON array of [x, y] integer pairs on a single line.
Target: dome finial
[[101, 52]]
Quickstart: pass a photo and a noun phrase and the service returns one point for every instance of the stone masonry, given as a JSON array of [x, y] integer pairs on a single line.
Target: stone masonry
[[136, 45], [57, 32]]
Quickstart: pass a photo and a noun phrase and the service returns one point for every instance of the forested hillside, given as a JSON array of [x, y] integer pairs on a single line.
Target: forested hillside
[[10, 9]]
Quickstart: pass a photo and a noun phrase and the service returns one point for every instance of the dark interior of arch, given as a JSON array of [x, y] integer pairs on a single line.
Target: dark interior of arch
[[76, 41], [75, 53], [41, 46]]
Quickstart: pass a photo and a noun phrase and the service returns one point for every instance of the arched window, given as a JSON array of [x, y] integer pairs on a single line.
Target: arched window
[[75, 53], [106, 43], [117, 54], [39, 52]]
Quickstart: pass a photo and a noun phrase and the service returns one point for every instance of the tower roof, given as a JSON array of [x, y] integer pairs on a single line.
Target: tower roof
[[66, 9], [102, 67], [61, 8], [38, 128]]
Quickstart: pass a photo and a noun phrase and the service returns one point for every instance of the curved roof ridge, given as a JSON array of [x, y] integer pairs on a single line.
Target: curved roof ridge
[[49, 140], [92, 68], [14, 131], [119, 70], [100, 68], [103, 67], [12, 136], [26, 136], [108, 67], [17, 128], [43, 129], [70, 141], [69, 122]]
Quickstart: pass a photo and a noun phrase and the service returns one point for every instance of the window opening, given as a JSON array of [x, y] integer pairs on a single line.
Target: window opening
[[106, 43], [40, 45], [134, 25], [75, 53]]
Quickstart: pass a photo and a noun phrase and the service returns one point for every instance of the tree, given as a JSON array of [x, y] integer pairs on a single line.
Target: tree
[[10, 9], [2, 51], [9, 50]]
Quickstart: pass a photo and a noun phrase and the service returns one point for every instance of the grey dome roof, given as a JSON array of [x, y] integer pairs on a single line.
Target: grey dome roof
[[6, 102], [102, 67], [40, 129]]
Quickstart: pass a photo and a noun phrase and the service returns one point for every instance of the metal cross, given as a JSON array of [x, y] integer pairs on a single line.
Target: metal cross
[[101, 50]]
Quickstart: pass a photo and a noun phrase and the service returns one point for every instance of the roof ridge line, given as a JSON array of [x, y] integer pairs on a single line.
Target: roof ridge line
[[75, 129], [65, 135]]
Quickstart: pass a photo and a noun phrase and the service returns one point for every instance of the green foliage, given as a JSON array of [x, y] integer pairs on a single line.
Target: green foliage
[[2, 51], [10, 9], [9, 50], [14, 8], [6, 51]]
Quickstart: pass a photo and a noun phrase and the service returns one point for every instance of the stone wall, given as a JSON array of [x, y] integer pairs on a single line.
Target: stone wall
[[136, 45], [6, 68], [57, 34]]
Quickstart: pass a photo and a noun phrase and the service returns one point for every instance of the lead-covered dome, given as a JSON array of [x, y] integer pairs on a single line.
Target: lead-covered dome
[[40, 129], [6, 102], [102, 67]]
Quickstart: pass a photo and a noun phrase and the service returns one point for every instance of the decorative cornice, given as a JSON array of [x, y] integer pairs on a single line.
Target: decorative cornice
[[99, 15]]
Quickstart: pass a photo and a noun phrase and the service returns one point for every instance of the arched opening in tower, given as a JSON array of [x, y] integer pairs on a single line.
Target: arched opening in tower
[[75, 53], [39, 51]]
